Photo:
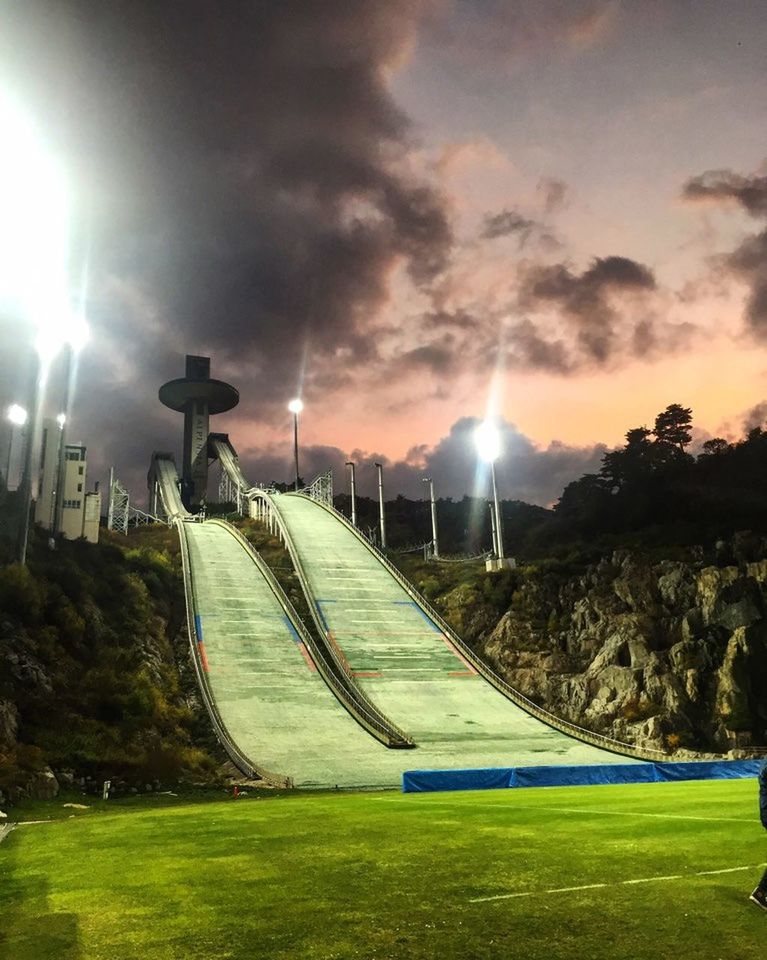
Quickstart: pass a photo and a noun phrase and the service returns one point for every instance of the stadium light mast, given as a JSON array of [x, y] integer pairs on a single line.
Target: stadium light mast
[[295, 406], [379, 467], [34, 256], [434, 540], [16, 415], [353, 481], [488, 442]]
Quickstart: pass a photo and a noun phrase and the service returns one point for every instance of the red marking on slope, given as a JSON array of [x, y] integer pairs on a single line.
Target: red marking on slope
[[305, 654], [451, 647], [366, 673], [462, 673], [203, 656]]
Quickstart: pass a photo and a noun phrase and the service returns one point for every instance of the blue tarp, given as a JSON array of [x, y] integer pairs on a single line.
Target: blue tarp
[[497, 778]]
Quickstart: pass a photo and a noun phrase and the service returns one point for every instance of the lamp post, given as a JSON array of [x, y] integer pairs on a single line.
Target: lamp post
[[379, 467], [488, 442], [434, 541], [17, 417], [493, 535], [56, 504], [295, 407], [352, 471]]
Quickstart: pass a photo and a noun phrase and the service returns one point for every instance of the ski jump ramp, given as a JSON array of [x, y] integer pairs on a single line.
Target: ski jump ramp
[[328, 707]]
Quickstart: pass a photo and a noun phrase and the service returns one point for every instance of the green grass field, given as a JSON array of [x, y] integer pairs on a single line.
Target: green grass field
[[382, 875]]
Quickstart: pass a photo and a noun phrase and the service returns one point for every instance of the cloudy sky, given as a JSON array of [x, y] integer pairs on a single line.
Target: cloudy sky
[[412, 212]]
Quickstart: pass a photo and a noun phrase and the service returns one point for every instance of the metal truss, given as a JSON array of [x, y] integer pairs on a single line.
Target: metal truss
[[121, 515], [322, 488], [119, 505]]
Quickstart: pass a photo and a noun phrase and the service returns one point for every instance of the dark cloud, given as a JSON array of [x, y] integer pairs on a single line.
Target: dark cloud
[[529, 349], [511, 223], [553, 193], [588, 299], [717, 185], [524, 471], [506, 223], [755, 417], [748, 262], [240, 172]]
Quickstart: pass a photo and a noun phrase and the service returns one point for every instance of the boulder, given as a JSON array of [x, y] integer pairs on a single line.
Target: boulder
[[43, 785]]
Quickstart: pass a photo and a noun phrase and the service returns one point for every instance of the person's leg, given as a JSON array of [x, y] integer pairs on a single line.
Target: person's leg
[[759, 896]]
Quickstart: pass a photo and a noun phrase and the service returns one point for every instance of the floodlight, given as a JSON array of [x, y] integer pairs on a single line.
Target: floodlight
[[488, 441], [17, 415], [296, 406], [61, 419]]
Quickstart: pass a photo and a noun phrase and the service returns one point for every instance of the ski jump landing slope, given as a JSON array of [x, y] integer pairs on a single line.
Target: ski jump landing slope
[[407, 665], [266, 682]]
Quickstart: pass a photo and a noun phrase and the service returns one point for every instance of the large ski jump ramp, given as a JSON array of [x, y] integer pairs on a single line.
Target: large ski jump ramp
[[271, 689]]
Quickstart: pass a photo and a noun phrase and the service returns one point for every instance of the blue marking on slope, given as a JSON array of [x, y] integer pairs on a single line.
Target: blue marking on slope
[[293, 631], [318, 605], [198, 627], [426, 617]]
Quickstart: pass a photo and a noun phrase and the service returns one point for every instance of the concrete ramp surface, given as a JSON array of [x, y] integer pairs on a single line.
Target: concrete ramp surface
[[407, 665], [268, 692]]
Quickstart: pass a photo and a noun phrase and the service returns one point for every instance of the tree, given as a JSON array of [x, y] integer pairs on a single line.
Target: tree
[[674, 426], [620, 467], [714, 446]]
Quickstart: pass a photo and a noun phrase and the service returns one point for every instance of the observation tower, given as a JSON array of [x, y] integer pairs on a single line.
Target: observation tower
[[197, 396]]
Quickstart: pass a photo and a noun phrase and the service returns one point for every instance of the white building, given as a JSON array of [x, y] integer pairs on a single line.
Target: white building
[[63, 506]]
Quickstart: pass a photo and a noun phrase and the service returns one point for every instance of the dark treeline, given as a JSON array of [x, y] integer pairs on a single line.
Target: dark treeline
[[649, 491], [653, 487]]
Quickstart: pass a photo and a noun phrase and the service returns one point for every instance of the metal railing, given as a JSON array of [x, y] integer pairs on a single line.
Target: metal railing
[[396, 737], [240, 759], [364, 717], [511, 693]]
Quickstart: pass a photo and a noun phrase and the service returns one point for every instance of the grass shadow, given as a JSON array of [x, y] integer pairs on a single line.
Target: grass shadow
[[29, 928]]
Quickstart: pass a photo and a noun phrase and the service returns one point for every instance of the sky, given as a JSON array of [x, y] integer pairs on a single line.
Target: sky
[[414, 214]]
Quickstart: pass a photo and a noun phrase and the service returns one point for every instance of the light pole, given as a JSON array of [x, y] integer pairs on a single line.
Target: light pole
[[352, 470], [434, 541], [379, 467], [56, 504], [34, 258], [488, 442], [493, 535], [17, 417], [295, 407]]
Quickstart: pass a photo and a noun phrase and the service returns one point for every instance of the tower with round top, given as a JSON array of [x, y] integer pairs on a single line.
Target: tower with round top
[[197, 396]]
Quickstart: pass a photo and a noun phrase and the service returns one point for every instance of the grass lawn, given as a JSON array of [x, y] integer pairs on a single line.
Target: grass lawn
[[390, 876]]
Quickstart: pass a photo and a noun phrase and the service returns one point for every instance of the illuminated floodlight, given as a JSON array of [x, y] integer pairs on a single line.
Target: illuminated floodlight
[[35, 205], [61, 419], [17, 415], [487, 439], [296, 406]]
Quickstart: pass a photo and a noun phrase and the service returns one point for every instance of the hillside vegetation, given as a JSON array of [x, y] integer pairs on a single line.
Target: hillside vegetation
[[95, 680]]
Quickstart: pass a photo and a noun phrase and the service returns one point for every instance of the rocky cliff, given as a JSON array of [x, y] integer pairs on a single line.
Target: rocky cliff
[[665, 653]]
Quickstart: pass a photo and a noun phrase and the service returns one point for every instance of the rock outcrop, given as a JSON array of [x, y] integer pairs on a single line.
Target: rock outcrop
[[663, 654]]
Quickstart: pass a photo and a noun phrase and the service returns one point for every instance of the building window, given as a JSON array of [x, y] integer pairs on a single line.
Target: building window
[[79, 488], [72, 504], [73, 454], [80, 471]]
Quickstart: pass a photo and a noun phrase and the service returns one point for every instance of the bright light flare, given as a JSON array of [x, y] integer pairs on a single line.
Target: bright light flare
[[487, 439], [17, 415], [61, 419], [296, 406], [34, 234]]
